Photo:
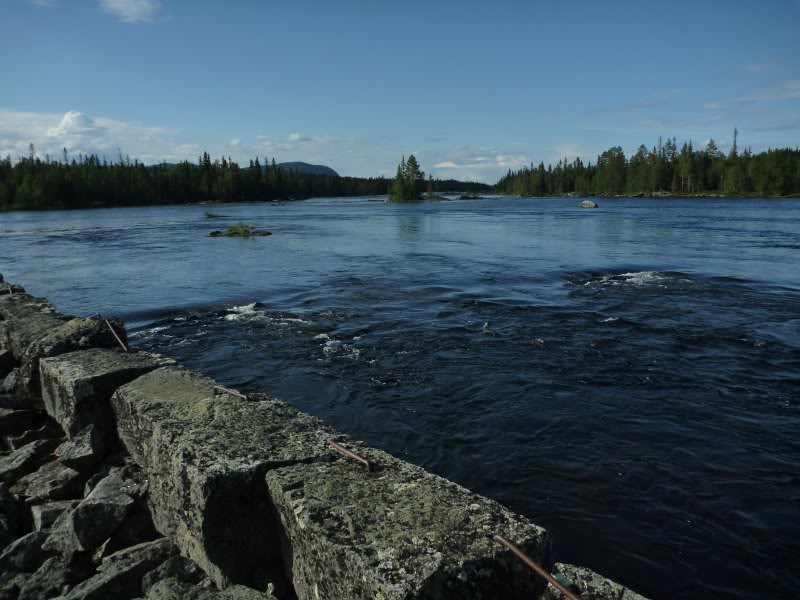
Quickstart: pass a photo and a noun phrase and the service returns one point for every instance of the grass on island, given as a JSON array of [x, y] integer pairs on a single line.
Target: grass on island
[[210, 215]]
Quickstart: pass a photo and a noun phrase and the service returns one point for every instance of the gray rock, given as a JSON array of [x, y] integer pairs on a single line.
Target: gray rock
[[77, 386], [75, 334], [97, 516], [51, 579], [397, 532], [47, 430], [45, 515], [120, 575], [9, 383], [25, 554], [7, 361], [179, 568], [27, 459], [588, 584], [207, 454], [172, 589], [25, 320], [53, 481], [11, 516], [14, 422], [136, 528], [84, 450], [588, 204]]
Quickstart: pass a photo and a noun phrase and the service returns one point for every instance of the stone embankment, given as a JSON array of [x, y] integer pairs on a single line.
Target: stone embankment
[[124, 475]]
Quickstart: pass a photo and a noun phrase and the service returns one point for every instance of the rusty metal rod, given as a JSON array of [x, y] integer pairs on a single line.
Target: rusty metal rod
[[230, 391], [352, 455], [119, 339], [535, 567]]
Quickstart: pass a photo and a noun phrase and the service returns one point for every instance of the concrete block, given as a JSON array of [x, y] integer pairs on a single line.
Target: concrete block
[[397, 533], [206, 457], [77, 386]]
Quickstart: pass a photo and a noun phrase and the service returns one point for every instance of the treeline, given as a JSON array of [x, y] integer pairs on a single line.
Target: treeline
[[88, 181], [664, 169]]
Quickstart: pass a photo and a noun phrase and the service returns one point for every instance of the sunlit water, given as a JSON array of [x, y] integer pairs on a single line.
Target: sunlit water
[[628, 377]]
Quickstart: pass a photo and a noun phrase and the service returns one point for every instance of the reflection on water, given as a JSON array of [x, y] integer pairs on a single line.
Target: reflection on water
[[626, 376]]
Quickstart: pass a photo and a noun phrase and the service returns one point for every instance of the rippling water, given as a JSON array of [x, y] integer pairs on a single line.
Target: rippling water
[[628, 377]]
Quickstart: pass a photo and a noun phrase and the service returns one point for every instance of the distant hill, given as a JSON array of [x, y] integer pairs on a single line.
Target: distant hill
[[307, 169]]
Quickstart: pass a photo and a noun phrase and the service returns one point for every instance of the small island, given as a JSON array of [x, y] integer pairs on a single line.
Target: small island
[[240, 230]]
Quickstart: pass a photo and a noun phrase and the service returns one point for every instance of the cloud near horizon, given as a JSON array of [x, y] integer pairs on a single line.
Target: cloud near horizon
[[132, 11]]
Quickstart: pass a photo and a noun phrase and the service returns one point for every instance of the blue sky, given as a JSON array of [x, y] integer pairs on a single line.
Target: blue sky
[[471, 88]]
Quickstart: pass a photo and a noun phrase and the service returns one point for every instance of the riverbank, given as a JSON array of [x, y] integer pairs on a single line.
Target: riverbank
[[126, 475]]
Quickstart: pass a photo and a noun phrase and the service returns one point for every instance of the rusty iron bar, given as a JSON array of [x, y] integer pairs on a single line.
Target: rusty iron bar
[[114, 333], [230, 391], [535, 567], [351, 455]]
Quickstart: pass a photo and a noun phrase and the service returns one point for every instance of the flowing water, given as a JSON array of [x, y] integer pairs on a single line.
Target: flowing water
[[628, 377]]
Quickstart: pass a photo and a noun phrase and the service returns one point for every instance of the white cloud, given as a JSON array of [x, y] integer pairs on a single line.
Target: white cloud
[[45, 3], [298, 137], [235, 142], [132, 11], [80, 133]]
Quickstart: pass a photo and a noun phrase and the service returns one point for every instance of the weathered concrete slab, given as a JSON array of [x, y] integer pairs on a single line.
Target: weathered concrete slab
[[588, 584], [75, 334], [400, 532], [77, 386], [206, 457]]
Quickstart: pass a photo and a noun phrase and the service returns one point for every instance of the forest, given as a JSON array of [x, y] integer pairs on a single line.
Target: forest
[[664, 169], [87, 181]]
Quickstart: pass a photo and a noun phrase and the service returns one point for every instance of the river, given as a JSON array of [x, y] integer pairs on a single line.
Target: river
[[628, 376]]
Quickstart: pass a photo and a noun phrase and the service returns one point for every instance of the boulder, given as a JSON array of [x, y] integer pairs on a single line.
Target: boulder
[[51, 579], [26, 459], [52, 481], [24, 320], [136, 528], [207, 454], [588, 585], [45, 515], [396, 532], [49, 429], [11, 517], [25, 554], [9, 383], [84, 450], [588, 204], [75, 334], [178, 568], [77, 386], [172, 589], [97, 516], [120, 575], [10, 289]]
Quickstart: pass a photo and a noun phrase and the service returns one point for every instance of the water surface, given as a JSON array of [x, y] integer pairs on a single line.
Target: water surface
[[628, 377]]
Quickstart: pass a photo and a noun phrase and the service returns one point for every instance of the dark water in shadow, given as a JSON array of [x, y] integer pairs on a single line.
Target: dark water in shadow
[[628, 377]]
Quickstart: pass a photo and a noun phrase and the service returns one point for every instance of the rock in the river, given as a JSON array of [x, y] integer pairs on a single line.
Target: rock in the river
[[27, 459], [398, 532], [120, 575], [84, 450], [45, 515], [53, 481], [588, 204], [97, 516], [77, 386], [588, 585]]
